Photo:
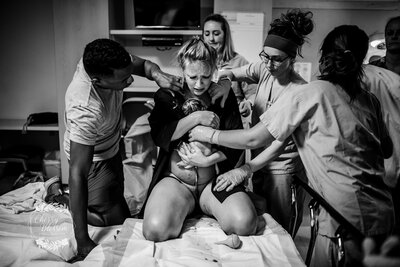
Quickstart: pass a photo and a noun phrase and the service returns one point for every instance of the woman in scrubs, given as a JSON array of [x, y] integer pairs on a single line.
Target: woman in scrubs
[[342, 140], [274, 75]]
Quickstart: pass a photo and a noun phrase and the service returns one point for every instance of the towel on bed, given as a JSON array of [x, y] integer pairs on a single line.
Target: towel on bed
[[271, 246], [22, 199]]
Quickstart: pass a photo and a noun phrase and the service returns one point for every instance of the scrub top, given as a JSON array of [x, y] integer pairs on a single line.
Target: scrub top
[[339, 142], [385, 85], [288, 161]]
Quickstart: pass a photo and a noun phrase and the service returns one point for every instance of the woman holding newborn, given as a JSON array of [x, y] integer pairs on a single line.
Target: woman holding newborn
[[179, 188]]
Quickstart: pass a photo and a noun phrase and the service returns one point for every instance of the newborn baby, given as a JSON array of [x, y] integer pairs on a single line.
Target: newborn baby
[[196, 178]]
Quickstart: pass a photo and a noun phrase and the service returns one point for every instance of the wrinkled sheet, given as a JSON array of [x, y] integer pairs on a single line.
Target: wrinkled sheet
[[43, 235], [124, 245], [271, 246]]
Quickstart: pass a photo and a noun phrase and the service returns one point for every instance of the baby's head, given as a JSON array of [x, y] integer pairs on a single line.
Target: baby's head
[[191, 105]]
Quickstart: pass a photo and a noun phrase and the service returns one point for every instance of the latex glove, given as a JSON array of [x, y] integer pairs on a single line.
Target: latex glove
[[201, 133], [191, 155], [387, 256], [232, 178], [245, 107]]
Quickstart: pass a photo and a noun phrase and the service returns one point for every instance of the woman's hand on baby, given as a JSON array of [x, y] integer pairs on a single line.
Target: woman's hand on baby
[[183, 150], [191, 156], [245, 107], [201, 133], [232, 178], [207, 118]]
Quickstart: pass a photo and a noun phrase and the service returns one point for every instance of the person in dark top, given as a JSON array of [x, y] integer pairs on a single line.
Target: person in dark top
[[184, 177]]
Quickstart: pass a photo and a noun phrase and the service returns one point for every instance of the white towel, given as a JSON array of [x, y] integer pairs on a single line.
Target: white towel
[[22, 199]]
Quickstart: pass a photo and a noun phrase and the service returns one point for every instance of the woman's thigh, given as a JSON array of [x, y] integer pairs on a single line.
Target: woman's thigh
[[236, 212], [168, 205]]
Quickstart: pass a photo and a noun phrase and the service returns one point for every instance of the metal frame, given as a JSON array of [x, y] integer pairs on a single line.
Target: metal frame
[[345, 227]]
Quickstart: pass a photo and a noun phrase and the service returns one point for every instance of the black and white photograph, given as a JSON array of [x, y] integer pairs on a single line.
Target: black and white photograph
[[200, 133]]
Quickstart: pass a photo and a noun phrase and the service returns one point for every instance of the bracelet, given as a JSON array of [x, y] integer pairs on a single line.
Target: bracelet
[[211, 137], [247, 167], [216, 135]]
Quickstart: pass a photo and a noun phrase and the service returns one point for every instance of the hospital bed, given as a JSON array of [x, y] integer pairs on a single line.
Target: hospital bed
[[33, 233]]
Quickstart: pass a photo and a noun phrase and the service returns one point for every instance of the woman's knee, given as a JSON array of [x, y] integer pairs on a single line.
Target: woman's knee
[[158, 229], [242, 224]]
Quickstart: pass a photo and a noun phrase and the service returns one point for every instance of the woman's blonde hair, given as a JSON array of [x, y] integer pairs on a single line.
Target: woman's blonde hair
[[197, 50]]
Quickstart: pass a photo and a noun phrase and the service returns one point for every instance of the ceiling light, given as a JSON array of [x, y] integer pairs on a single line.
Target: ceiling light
[[377, 40]]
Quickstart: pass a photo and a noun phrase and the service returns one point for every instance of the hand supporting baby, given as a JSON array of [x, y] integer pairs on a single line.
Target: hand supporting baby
[[193, 154]]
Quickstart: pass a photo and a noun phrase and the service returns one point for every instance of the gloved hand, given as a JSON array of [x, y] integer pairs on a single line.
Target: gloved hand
[[232, 178], [245, 107]]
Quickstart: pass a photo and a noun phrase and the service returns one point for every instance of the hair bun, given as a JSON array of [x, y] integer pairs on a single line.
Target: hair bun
[[301, 21], [294, 25]]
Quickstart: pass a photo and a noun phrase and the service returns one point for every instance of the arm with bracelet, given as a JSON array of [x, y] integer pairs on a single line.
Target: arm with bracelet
[[255, 137], [236, 176]]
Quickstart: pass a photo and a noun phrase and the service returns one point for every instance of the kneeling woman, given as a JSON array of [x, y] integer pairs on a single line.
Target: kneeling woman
[[178, 188]]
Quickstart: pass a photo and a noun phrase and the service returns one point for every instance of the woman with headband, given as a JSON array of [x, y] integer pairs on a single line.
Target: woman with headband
[[342, 140], [274, 75]]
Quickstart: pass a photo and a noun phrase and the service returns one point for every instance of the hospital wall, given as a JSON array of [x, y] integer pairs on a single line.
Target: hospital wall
[[27, 49], [370, 21], [42, 41]]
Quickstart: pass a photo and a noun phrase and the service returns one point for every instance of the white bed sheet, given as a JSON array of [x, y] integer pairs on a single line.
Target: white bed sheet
[[22, 236]]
